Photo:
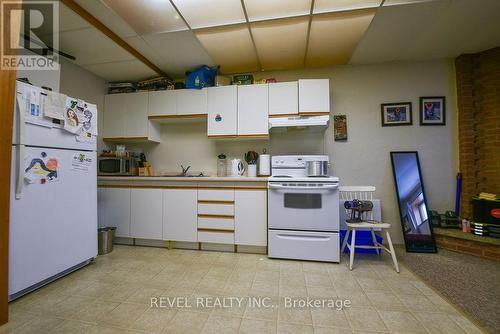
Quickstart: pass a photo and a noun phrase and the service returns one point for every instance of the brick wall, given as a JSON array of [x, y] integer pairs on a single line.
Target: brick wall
[[471, 247], [478, 95]]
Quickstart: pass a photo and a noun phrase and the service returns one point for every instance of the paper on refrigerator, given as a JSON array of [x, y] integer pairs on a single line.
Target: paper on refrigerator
[[81, 162], [54, 104], [41, 169], [71, 120], [88, 118], [33, 106]]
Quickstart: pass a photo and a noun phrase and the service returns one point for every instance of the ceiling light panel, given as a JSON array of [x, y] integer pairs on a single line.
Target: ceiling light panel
[[281, 44], [258, 10], [326, 6], [148, 16], [230, 47], [334, 36], [210, 13]]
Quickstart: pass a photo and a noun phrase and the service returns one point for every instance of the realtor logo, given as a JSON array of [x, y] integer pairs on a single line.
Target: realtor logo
[[29, 35]]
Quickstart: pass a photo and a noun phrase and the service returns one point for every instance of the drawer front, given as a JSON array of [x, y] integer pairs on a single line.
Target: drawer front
[[216, 194], [216, 209], [318, 246], [216, 237], [217, 223]]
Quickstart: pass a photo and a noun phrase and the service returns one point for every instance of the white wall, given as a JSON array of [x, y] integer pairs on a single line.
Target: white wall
[[356, 91], [79, 83]]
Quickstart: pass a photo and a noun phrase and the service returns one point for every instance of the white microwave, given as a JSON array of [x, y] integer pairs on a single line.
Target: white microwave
[[119, 166]]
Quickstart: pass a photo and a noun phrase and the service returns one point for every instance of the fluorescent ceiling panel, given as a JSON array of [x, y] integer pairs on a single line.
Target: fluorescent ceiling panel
[[210, 13], [258, 10], [122, 71], [148, 16], [281, 44], [108, 17], [326, 6], [231, 47], [334, 36]]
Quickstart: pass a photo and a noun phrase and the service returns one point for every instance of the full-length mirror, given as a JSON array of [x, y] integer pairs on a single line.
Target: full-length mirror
[[413, 208]]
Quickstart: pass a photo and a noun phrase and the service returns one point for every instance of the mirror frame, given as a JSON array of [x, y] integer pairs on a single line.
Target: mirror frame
[[413, 250]]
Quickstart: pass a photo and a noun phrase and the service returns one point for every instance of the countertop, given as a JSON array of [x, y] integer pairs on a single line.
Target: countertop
[[187, 179]]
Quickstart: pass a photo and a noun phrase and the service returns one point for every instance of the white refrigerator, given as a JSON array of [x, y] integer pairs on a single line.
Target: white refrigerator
[[53, 202]]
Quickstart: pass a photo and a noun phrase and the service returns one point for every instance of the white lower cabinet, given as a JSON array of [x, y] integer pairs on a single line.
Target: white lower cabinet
[[180, 215], [250, 217], [146, 214], [113, 206]]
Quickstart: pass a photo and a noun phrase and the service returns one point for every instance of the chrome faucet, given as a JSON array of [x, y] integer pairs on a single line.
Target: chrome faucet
[[185, 170]]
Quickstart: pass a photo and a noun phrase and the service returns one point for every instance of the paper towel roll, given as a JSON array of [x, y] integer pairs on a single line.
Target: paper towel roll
[[265, 165]]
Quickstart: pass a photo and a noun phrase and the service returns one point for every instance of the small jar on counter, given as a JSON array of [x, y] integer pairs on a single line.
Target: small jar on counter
[[221, 165]]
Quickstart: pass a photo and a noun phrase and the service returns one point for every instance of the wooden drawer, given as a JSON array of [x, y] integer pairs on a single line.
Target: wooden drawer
[[216, 223], [215, 237], [215, 194], [216, 209]]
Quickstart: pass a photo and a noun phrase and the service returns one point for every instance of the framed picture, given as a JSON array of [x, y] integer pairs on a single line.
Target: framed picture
[[394, 114], [432, 110], [340, 127]]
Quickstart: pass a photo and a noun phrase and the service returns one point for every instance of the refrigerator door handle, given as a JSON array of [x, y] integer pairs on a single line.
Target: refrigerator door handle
[[20, 152]]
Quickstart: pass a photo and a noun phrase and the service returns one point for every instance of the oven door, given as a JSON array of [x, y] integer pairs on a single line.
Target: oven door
[[303, 206]]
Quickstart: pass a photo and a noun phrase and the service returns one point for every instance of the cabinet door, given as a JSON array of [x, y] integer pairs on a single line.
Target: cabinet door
[[162, 103], [253, 110], [136, 118], [284, 98], [222, 110], [314, 95], [113, 205], [250, 217], [114, 111], [180, 218], [191, 101], [146, 214]]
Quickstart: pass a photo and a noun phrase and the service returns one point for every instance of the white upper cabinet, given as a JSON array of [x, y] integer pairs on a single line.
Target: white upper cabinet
[[191, 101], [146, 214], [222, 107], [253, 110], [180, 219], [136, 121], [114, 116], [250, 217], [126, 118], [284, 98], [314, 96], [162, 103]]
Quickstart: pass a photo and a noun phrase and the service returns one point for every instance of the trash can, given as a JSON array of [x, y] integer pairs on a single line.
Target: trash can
[[105, 236]]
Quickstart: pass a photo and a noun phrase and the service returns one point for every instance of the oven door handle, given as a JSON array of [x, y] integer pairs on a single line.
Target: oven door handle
[[280, 186], [302, 237]]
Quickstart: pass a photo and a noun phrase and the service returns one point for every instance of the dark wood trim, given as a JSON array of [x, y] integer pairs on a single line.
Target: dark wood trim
[[283, 115], [7, 99], [174, 117], [114, 37], [222, 136], [216, 230], [214, 202], [215, 187], [250, 188], [318, 113], [255, 136], [110, 139], [144, 186], [200, 215]]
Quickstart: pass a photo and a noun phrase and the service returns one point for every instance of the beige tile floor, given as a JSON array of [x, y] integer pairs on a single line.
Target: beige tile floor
[[113, 294]]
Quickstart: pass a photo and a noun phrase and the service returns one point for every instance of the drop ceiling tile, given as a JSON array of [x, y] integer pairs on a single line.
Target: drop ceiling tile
[[210, 13], [108, 17], [230, 47], [69, 20], [177, 52], [325, 6], [403, 2], [281, 44], [148, 16], [122, 71], [258, 10], [90, 46], [334, 36]]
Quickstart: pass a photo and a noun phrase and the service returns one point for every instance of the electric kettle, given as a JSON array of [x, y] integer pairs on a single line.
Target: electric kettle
[[237, 167]]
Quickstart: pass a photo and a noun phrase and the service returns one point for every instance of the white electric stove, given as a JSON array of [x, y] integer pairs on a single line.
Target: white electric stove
[[303, 212]]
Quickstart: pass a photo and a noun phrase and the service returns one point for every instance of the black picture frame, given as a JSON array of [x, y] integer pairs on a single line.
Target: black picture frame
[[424, 100], [414, 243], [384, 108]]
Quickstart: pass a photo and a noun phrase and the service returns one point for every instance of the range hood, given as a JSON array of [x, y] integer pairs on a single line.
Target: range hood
[[299, 122]]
